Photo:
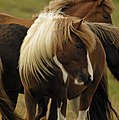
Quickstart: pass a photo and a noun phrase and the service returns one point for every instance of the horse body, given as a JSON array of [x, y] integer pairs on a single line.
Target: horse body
[[71, 46], [11, 41]]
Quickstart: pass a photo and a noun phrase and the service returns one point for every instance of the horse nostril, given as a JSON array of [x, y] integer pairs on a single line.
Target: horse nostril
[[89, 77], [85, 79], [89, 80]]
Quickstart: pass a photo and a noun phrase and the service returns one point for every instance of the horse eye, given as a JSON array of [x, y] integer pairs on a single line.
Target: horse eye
[[105, 17], [79, 45]]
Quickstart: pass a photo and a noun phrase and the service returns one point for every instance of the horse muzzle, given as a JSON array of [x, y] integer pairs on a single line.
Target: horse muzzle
[[83, 79]]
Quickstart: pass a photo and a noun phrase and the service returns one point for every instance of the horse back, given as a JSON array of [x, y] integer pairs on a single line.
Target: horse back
[[11, 38]]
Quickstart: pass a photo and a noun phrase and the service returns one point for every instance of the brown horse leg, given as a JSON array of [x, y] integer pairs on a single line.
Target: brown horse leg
[[62, 110], [85, 100], [42, 108], [30, 105], [57, 110], [53, 110]]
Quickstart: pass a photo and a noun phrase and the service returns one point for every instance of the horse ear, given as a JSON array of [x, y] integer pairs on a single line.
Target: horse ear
[[81, 21], [78, 24]]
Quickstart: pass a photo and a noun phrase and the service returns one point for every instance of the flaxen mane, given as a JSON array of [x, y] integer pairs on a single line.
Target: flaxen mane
[[108, 33], [46, 35]]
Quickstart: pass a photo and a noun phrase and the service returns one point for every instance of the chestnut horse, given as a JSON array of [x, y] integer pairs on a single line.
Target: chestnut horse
[[8, 19], [92, 10], [58, 53], [100, 8]]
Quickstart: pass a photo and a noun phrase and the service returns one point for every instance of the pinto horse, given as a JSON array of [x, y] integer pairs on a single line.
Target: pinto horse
[[100, 8], [57, 54]]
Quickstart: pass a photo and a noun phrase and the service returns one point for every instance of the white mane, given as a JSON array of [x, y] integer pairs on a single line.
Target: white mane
[[40, 44]]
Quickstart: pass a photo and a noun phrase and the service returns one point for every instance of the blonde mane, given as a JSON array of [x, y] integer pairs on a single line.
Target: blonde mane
[[46, 35], [106, 32]]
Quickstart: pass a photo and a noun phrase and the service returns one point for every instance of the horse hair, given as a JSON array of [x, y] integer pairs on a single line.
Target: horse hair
[[6, 109], [101, 108]]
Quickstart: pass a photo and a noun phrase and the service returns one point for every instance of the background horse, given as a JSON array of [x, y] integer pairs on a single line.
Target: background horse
[[99, 8], [111, 47], [8, 19], [68, 44], [6, 109]]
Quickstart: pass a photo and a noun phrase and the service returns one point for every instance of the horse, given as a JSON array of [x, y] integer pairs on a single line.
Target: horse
[[6, 109], [8, 19], [101, 8], [59, 52], [92, 10], [111, 47]]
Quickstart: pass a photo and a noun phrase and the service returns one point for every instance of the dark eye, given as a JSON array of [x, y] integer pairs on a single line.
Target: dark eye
[[79, 45], [105, 16]]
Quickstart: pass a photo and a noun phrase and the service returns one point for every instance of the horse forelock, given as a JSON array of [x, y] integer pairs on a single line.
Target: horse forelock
[[48, 33], [86, 36]]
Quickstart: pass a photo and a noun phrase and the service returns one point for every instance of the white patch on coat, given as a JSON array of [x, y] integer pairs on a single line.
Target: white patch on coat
[[78, 83], [90, 69], [74, 105], [60, 116], [82, 115], [64, 72]]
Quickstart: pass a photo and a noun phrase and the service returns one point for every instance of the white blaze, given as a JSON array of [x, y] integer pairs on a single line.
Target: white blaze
[[90, 69]]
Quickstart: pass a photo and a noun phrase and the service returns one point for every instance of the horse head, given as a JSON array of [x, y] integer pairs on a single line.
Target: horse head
[[91, 10], [75, 54]]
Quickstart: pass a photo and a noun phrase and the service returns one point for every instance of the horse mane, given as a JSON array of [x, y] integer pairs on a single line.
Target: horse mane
[[59, 4], [1, 68], [108, 33], [48, 34]]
